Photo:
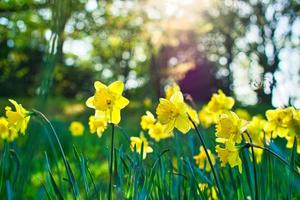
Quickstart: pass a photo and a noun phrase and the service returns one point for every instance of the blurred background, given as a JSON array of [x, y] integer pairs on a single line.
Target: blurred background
[[57, 49]]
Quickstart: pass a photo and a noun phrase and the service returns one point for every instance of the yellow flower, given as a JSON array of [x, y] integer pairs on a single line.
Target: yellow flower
[[98, 123], [173, 113], [18, 119], [231, 126], [109, 99], [206, 117], [136, 142], [230, 155], [147, 121], [220, 102], [171, 89], [76, 128], [243, 114], [4, 131], [290, 142], [158, 132], [210, 193], [255, 129], [279, 122], [202, 161], [258, 154], [147, 102]]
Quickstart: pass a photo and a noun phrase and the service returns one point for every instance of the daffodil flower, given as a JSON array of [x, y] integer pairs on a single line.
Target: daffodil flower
[[109, 99], [147, 121], [17, 120], [229, 154], [201, 159], [137, 142], [173, 113]]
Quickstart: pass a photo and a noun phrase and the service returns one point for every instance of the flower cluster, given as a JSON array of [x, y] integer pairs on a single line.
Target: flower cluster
[[15, 122]]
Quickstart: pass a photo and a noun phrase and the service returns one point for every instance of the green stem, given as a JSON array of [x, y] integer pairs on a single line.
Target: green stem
[[254, 168], [208, 158], [111, 161]]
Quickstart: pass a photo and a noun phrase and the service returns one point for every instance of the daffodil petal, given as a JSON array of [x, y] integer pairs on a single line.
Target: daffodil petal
[[117, 87], [90, 102], [115, 116]]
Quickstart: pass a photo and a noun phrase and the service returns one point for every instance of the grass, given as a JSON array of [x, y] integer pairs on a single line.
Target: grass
[[34, 167]]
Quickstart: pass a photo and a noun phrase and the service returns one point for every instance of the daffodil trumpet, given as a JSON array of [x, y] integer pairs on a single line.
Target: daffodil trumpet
[[208, 158]]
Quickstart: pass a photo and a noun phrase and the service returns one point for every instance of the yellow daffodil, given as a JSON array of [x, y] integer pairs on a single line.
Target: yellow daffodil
[[210, 193], [171, 89], [230, 155], [220, 102], [290, 142], [158, 132], [258, 154], [173, 113], [201, 159], [18, 119], [98, 123], [279, 122], [4, 131], [231, 126], [147, 121], [255, 129], [76, 128], [243, 114], [109, 99], [206, 117], [136, 143]]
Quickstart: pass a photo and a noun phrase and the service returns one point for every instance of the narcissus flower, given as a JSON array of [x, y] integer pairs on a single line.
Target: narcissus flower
[[279, 122], [206, 117], [229, 154], [138, 142], [109, 99], [98, 123], [173, 113], [218, 104], [76, 128], [147, 121], [158, 132], [210, 193], [255, 129], [171, 89], [290, 142], [201, 159], [18, 119], [6, 132], [231, 126]]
